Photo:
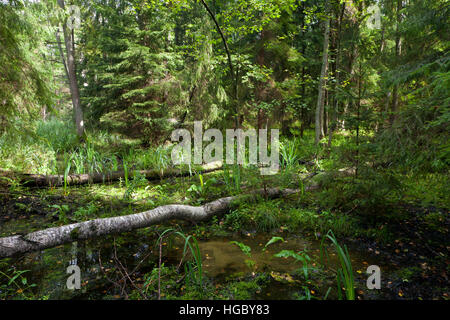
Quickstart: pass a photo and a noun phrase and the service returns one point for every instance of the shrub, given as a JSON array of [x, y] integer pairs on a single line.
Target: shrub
[[58, 134], [371, 192], [18, 153]]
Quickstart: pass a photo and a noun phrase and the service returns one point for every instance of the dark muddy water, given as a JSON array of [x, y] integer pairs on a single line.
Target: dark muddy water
[[221, 260]]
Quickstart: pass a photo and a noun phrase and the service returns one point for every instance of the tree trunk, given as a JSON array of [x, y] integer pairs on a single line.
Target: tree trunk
[[302, 110], [71, 74], [398, 52], [61, 52], [337, 72], [322, 82], [56, 236], [234, 77], [325, 116], [41, 180]]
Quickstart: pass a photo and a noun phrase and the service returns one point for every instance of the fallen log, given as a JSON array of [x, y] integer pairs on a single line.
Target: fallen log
[[52, 237], [40, 180]]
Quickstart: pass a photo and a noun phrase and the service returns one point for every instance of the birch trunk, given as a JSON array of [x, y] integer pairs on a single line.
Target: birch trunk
[[52, 237]]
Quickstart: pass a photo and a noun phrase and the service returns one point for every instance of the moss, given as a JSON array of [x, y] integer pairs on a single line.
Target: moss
[[244, 290], [435, 221], [407, 274], [74, 234]]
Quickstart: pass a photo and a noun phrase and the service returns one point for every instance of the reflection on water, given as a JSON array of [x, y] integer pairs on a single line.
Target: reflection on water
[[221, 259]]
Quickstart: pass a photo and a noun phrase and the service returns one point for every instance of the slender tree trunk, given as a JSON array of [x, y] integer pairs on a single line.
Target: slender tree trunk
[[325, 115], [323, 74], [234, 76], [261, 116], [358, 116], [385, 118], [337, 61], [61, 52], [398, 52], [71, 74], [302, 111]]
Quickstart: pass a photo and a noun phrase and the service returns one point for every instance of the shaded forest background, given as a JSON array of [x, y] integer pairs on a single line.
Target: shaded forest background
[[142, 68], [90, 85]]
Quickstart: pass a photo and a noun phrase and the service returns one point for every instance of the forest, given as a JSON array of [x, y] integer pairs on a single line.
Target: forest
[[224, 149]]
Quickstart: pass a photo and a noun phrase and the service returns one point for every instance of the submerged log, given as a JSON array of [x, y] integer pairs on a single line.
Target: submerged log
[[52, 237], [40, 180]]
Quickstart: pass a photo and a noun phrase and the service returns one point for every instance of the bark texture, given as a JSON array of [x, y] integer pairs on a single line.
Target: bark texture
[[322, 82], [70, 69], [40, 180], [53, 237], [398, 52]]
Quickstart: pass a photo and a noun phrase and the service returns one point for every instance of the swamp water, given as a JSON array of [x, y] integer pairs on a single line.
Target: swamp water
[[221, 261]]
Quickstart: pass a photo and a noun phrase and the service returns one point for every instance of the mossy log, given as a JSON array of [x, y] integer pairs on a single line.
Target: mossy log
[[52, 237], [40, 180]]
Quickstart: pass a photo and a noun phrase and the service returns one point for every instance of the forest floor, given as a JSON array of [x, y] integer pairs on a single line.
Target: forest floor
[[411, 247]]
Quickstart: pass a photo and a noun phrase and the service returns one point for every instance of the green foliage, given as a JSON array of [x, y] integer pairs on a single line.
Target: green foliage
[[232, 179], [407, 274], [371, 193], [18, 152], [251, 264], [25, 85], [300, 256], [427, 189], [137, 51], [85, 213], [263, 216], [244, 290], [16, 286], [344, 276], [193, 269], [150, 158], [272, 241], [245, 249], [58, 134], [235, 220], [66, 173], [289, 151], [138, 180], [61, 212], [435, 221], [201, 190], [267, 219], [147, 67], [418, 141]]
